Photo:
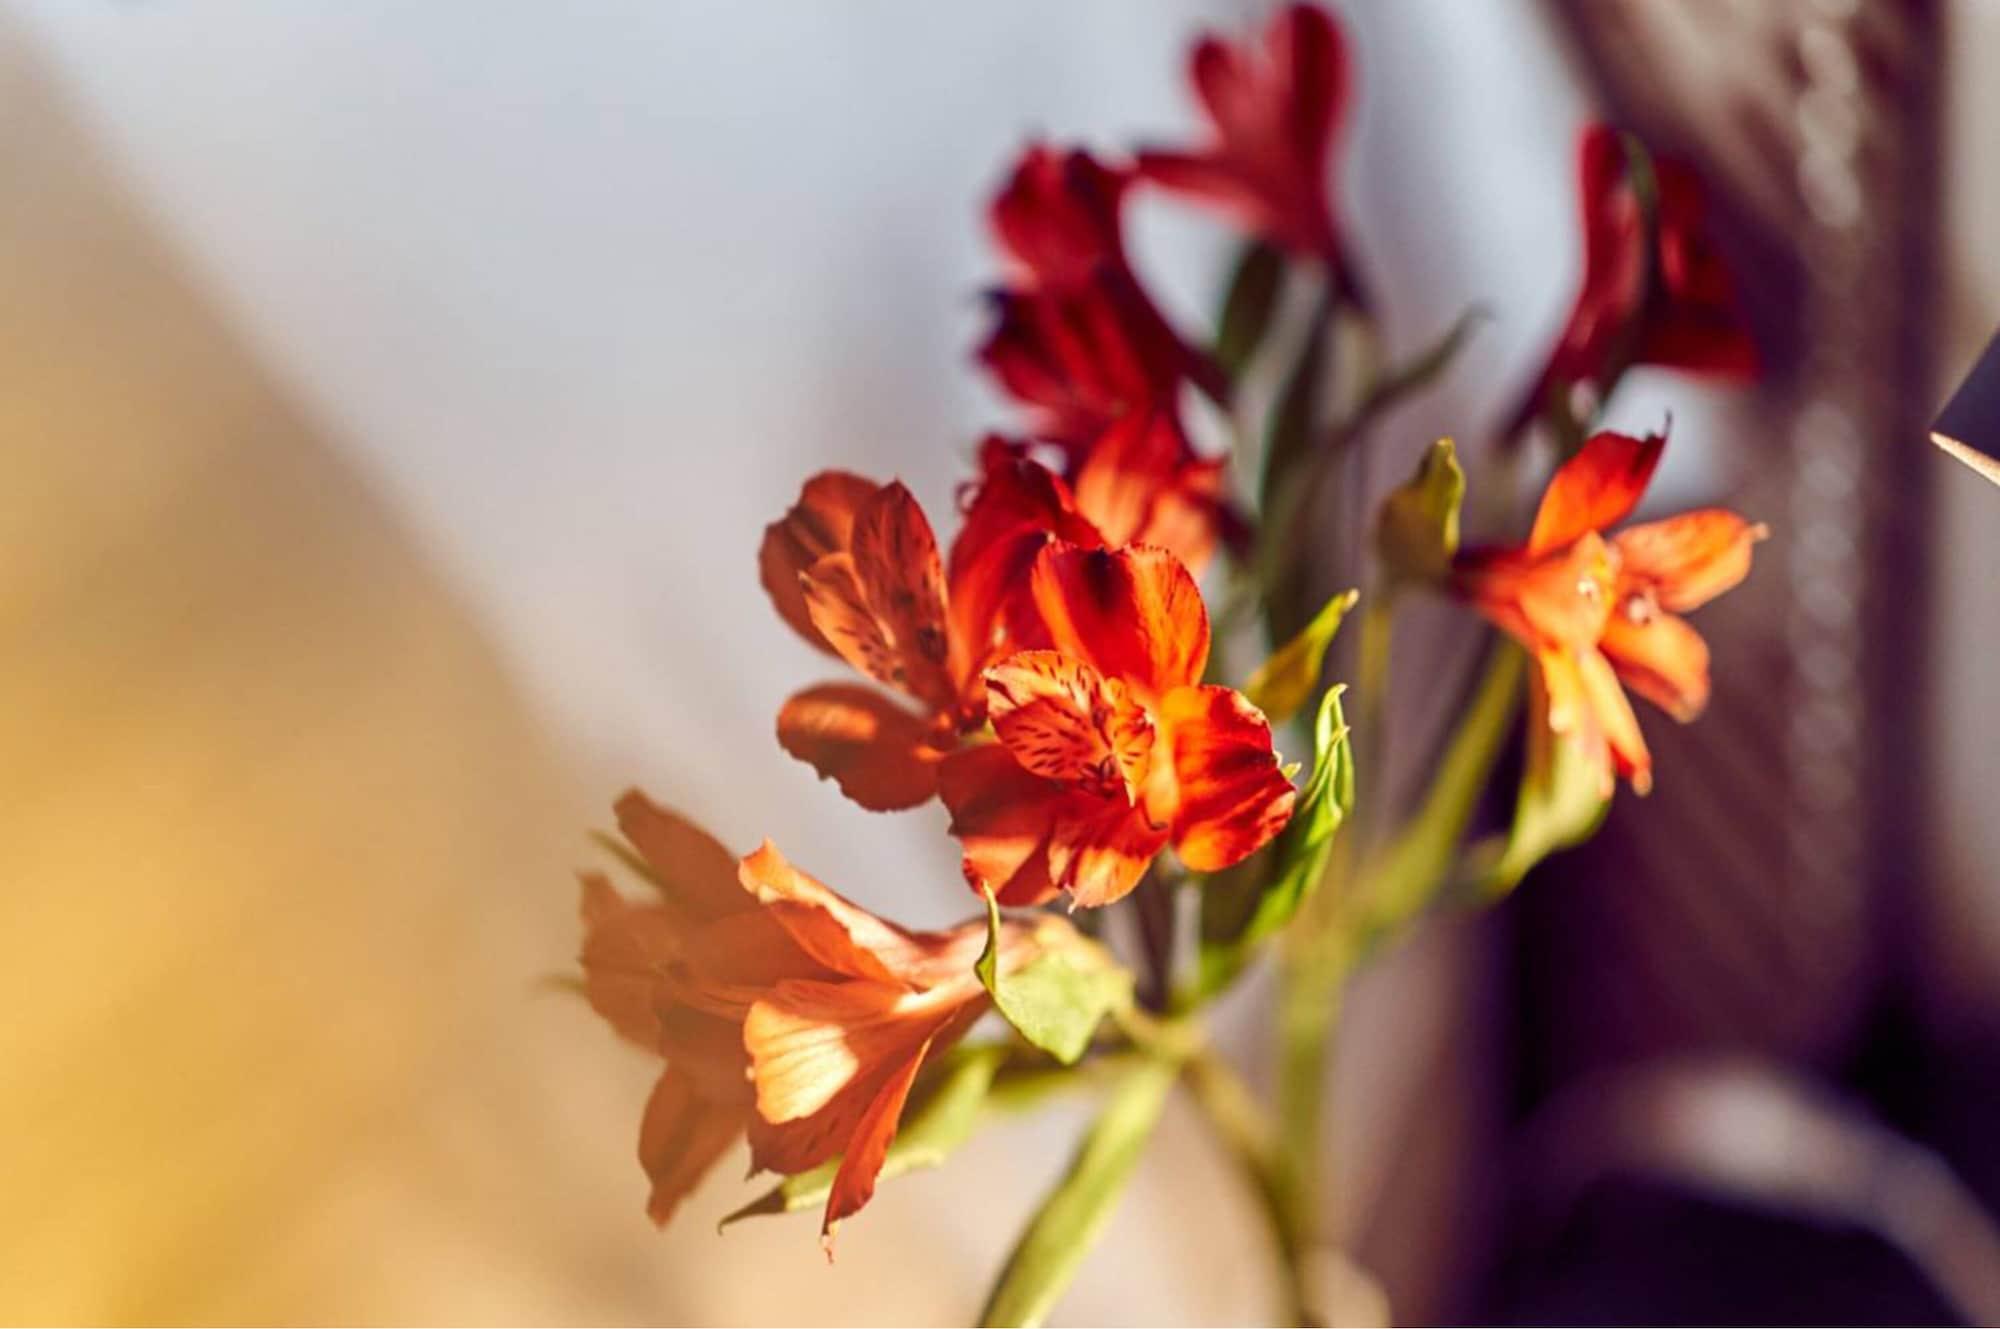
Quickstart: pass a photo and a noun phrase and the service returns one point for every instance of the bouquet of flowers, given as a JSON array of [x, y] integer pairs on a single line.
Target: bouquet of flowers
[[1056, 676]]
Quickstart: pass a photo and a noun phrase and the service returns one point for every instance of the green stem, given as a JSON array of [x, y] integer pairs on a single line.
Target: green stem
[[1237, 1121], [1371, 709], [1312, 975]]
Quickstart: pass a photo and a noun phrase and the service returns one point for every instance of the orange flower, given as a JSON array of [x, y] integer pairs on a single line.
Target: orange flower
[[1599, 611], [785, 1012], [1141, 483], [854, 567], [1109, 747]]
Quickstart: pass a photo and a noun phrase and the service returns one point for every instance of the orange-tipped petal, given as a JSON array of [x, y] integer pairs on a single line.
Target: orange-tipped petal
[[1100, 848], [1663, 659], [689, 866], [820, 523], [681, 1137], [1232, 795], [1002, 817], [861, 1159], [1595, 489], [1688, 560], [880, 754], [896, 557], [1063, 720], [1132, 614]]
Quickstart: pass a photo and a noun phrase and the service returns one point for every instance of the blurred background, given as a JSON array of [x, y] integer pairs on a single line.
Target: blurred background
[[392, 400]]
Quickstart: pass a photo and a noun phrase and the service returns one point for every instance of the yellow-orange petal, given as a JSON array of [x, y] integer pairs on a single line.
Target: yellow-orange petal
[[681, 1136], [1132, 614], [1595, 489], [691, 868], [1001, 816], [1688, 560], [820, 523], [880, 754], [1099, 848], [1662, 658], [1232, 795], [808, 1040], [1065, 721]]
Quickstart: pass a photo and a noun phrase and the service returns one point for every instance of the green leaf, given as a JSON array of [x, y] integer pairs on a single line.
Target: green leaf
[[1282, 683], [1056, 1000], [1423, 369], [1295, 416], [1067, 1225], [1254, 287], [1561, 802], [1416, 529], [1404, 878], [1291, 869], [939, 1122]]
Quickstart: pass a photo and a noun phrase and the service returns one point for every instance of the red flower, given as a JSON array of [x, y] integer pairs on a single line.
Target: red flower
[[1276, 116], [1109, 747], [1688, 319], [855, 568], [1076, 339], [784, 1011], [1597, 612]]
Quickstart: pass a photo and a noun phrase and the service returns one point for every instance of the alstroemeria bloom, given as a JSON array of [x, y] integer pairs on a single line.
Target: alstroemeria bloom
[[854, 567], [1597, 611], [1277, 116], [1076, 338], [1109, 747], [1142, 483], [785, 1012], [1690, 319]]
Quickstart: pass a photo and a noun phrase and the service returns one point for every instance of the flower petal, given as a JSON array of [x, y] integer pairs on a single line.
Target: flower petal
[[896, 557], [820, 523], [1002, 817], [808, 1040], [1065, 721], [879, 753], [1612, 717], [1132, 614], [1140, 483], [1663, 659], [827, 926], [1100, 847], [692, 870], [681, 1137], [1595, 489], [1232, 795], [626, 950], [1019, 506], [1688, 560], [861, 1159]]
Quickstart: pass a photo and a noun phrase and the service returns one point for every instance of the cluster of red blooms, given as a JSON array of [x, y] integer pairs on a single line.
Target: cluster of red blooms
[[1043, 675]]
